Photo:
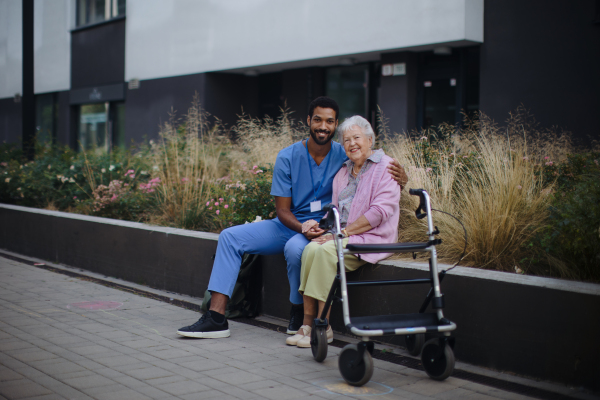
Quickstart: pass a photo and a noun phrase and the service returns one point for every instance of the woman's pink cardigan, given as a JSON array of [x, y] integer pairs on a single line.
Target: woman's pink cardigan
[[378, 198]]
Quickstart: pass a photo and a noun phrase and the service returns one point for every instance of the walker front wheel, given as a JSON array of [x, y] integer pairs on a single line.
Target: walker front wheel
[[318, 343], [438, 359], [355, 370], [414, 343]]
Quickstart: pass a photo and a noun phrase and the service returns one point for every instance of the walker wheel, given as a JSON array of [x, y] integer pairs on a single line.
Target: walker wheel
[[318, 343], [414, 343], [437, 363], [354, 370]]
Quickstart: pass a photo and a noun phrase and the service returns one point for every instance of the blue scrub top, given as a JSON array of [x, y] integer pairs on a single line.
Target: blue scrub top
[[291, 178]]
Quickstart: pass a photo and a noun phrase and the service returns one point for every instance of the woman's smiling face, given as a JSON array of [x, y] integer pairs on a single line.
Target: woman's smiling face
[[357, 145]]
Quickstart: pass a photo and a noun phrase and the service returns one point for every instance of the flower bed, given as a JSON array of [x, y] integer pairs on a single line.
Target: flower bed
[[529, 200]]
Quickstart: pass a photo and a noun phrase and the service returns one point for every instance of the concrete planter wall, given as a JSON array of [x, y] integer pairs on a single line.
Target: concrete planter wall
[[539, 327]]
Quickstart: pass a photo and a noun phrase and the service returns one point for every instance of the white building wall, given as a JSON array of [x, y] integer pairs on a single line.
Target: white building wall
[[52, 45], [178, 37], [11, 48]]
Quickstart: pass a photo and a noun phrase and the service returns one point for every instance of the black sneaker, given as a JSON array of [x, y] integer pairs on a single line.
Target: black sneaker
[[296, 318], [206, 328]]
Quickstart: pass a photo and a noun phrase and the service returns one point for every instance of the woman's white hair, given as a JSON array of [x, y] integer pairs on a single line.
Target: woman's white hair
[[359, 122]]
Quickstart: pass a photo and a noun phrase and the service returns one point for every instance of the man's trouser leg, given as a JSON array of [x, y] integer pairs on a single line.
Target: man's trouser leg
[[293, 257], [265, 237]]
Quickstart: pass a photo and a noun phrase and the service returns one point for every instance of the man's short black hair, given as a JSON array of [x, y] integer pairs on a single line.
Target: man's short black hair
[[323, 102]]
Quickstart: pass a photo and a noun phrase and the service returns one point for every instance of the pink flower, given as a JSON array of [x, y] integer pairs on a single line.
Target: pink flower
[[184, 180], [74, 197], [220, 199], [254, 167], [226, 206], [218, 212], [207, 203], [130, 171], [549, 163], [519, 187], [113, 198], [4, 164], [546, 158], [210, 208], [525, 158], [217, 203]]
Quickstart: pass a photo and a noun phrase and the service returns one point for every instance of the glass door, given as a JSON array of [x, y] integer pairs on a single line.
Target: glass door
[[93, 127], [349, 87]]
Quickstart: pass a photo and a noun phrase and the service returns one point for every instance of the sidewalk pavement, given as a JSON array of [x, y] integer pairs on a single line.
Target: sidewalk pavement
[[68, 338]]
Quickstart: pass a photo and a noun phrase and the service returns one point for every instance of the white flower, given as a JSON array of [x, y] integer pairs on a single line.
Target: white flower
[[71, 180], [18, 188], [144, 172], [103, 170], [49, 166], [112, 167], [155, 168], [7, 180], [72, 167]]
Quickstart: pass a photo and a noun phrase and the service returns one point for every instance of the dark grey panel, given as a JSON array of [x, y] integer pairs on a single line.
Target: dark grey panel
[[97, 94], [543, 54], [300, 87], [98, 55], [10, 121], [149, 106], [398, 94]]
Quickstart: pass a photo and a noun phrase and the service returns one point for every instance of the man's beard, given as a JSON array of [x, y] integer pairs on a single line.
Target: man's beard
[[321, 142]]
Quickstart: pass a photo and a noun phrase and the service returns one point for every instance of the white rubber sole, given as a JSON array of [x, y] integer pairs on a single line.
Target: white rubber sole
[[206, 335], [291, 332]]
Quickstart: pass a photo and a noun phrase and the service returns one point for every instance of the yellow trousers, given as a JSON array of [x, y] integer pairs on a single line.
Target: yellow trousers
[[319, 266]]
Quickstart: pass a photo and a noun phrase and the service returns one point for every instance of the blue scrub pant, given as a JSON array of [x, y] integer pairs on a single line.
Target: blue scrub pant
[[265, 237]]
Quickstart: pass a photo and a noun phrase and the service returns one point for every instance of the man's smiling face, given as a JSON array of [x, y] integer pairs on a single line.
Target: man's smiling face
[[322, 125]]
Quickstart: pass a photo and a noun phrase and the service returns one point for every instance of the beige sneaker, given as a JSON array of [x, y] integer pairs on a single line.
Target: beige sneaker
[[293, 340], [305, 341]]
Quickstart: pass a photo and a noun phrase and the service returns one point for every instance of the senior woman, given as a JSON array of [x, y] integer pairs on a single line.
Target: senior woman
[[368, 200]]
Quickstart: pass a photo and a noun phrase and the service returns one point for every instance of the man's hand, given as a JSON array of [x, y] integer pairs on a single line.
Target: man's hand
[[307, 225], [398, 173], [314, 232]]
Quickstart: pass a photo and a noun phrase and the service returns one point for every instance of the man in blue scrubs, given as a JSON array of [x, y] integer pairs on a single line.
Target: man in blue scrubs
[[302, 185]]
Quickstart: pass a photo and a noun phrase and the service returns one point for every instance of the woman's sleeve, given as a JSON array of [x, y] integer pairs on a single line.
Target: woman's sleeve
[[385, 199]]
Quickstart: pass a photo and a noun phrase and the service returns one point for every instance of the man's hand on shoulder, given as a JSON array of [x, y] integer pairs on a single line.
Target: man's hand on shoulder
[[398, 173]]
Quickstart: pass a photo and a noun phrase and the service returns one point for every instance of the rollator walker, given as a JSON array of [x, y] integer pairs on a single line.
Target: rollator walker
[[355, 360]]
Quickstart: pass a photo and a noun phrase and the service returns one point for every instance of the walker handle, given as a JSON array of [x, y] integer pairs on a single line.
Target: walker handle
[[328, 220], [422, 207]]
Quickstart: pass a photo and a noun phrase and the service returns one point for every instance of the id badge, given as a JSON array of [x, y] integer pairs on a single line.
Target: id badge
[[315, 206]]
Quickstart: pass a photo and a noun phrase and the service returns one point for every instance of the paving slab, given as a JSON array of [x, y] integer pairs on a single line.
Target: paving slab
[[53, 347]]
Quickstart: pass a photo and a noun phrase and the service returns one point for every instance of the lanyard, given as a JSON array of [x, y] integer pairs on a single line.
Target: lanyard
[[312, 181]]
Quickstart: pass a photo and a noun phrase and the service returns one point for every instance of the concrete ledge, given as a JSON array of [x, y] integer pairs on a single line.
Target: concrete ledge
[[539, 327]]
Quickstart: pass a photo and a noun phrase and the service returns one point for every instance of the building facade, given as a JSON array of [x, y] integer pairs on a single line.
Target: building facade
[[109, 72]]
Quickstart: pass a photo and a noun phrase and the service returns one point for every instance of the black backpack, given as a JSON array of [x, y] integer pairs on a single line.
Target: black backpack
[[246, 298]]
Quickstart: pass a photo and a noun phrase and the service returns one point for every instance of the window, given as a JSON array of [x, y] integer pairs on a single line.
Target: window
[[95, 11], [46, 116]]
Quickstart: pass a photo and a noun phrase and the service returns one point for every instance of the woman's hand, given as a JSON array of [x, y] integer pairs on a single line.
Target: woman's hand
[[323, 238]]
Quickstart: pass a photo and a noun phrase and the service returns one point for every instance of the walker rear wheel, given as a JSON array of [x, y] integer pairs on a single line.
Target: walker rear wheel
[[318, 343], [354, 370], [414, 343], [438, 362]]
